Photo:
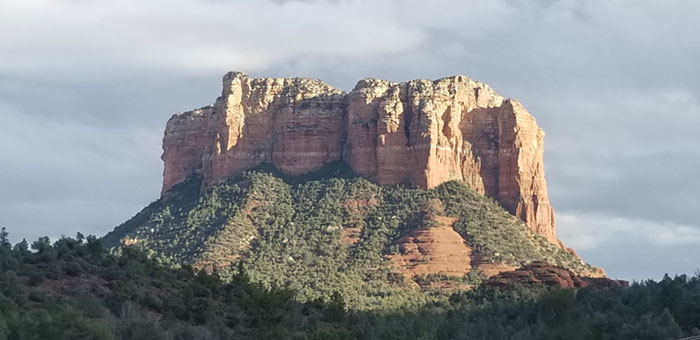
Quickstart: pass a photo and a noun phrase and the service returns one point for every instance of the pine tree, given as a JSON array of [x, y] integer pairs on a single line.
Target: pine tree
[[22, 247], [4, 238]]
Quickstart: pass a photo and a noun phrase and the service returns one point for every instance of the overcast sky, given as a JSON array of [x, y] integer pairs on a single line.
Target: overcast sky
[[87, 86]]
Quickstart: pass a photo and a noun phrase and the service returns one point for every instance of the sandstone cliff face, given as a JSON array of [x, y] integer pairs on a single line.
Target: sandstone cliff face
[[421, 132]]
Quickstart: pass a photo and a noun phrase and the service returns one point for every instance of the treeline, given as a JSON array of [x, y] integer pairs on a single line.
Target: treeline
[[74, 289]]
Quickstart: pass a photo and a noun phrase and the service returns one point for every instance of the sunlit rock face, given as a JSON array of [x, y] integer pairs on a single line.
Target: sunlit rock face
[[421, 132]]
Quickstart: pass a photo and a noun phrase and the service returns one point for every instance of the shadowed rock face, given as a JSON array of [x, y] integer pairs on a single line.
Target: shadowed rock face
[[542, 273], [421, 132]]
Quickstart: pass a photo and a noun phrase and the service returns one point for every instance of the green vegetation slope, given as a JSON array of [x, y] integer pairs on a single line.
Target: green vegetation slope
[[287, 232]]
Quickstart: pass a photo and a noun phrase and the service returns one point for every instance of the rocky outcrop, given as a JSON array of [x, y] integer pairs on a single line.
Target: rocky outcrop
[[295, 124], [542, 273], [429, 132], [434, 250], [421, 132]]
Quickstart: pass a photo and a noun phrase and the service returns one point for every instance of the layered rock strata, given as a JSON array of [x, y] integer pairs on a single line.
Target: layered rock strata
[[421, 132], [436, 250]]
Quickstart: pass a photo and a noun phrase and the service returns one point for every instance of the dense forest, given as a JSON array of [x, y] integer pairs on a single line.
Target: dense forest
[[76, 289], [287, 231]]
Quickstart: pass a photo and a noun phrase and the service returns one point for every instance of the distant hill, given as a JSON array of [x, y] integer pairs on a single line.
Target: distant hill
[[331, 231], [393, 194]]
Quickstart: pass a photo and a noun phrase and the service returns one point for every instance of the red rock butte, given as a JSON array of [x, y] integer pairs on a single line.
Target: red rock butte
[[421, 132]]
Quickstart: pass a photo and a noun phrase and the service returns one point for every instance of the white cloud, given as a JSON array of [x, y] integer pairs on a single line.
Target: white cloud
[[186, 36], [594, 231]]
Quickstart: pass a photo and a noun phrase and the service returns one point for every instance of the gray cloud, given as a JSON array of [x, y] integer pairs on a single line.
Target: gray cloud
[[643, 249], [86, 88]]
